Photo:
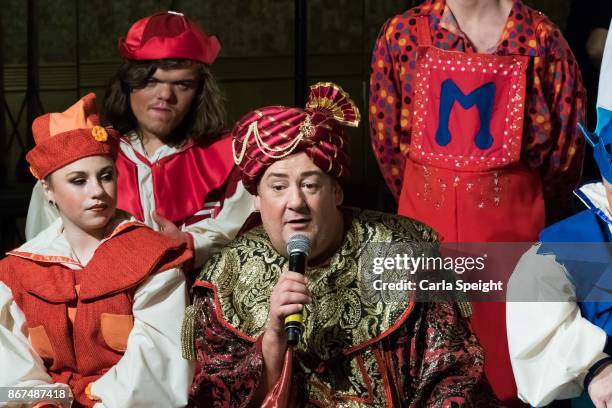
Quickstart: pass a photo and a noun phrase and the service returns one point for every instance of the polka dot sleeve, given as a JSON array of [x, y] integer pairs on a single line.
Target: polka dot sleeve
[[389, 141], [554, 102], [553, 141]]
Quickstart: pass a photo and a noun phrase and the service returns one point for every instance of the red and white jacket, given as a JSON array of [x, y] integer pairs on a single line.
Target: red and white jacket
[[114, 323]]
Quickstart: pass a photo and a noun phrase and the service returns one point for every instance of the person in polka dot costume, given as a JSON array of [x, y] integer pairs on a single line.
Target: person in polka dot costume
[[475, 131]]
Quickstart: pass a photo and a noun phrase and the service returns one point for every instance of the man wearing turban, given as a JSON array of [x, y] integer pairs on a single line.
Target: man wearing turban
[[357, 348]]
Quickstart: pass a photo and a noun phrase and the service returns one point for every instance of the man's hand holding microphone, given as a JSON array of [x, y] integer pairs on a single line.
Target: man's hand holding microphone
[[287, 301]]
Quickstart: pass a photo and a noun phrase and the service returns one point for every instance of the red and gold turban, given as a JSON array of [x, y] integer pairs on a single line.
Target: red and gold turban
[[269, 134], [64, 137], [168, 35]]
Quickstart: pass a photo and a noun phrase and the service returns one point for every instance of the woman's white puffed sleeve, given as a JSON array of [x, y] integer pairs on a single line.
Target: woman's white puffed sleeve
[[152, 372]]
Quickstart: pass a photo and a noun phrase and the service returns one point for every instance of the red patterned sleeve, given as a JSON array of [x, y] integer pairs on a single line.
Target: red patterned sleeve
[[230, 367], [556, 141], [442, 361], [455, 358], [385, 108]]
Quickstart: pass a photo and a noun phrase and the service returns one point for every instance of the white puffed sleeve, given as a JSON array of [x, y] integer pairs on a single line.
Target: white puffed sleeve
[[41, 214], [212, 234], [551, 345], [152, 372], [21, 365]]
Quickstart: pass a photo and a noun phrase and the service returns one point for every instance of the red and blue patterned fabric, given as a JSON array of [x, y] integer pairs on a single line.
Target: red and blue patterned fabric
[[476, 144], [554, 103]]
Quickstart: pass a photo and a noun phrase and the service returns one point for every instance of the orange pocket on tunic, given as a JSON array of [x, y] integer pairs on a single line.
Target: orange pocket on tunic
[[41, 343], [115, 329]]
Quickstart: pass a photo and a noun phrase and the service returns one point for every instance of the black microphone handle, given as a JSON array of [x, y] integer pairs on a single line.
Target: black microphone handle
[[293, 325], [297, 262]]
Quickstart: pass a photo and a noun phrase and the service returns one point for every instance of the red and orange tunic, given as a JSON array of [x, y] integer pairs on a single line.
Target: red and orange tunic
[[112, 325]]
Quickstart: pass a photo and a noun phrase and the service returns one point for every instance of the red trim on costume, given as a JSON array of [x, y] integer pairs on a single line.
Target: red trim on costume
[[219, 311], [66, 260], [221, 318], [144, 159], [385, 333], [393, 380], [43, 258], [385, 377], [125, 225], [181, 188], [210, 210], [189, 265], [366, 379]]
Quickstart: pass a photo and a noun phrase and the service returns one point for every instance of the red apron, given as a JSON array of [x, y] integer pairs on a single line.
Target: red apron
[[464, 177]]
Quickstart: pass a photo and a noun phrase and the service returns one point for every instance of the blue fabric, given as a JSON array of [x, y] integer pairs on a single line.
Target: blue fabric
[[601, 141], [482, 97], [589, 266], [600, 212], [604, 124]]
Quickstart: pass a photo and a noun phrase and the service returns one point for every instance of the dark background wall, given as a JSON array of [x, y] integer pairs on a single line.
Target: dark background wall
[[75, 49]]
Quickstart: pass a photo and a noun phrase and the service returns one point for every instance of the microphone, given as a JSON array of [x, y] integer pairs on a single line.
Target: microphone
[[298, 248]]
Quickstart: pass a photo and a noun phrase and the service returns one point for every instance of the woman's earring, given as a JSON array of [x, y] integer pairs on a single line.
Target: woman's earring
[[53, 203]]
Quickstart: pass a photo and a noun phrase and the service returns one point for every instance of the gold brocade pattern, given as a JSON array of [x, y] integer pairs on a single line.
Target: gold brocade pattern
[[329, 97], [344, 313], [340, 317], [325, 103], [353, 382]]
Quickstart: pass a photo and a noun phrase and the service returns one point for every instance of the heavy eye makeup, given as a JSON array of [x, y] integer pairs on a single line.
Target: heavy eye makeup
[[77, 181], [107, 174], [79, 178]]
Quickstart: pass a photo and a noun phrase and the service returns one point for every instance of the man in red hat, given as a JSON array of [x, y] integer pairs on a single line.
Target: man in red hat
[[359, 346], [175, 168]]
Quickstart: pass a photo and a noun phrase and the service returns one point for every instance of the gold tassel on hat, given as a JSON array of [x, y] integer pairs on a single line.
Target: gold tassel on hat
[[188, 329]]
